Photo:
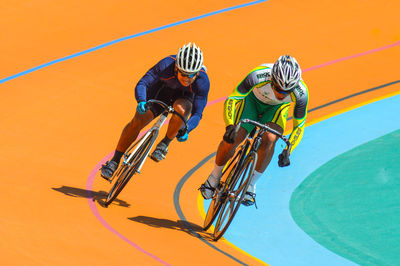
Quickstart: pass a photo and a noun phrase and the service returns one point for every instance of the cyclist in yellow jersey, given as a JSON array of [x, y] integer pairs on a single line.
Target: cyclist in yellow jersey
[[264, 96]]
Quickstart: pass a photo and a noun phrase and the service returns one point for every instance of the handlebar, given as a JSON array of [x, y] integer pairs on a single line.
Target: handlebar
[[266, 128], [167, 108]]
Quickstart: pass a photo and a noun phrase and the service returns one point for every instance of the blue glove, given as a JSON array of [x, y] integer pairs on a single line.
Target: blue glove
[[182, 135], [141, 108]]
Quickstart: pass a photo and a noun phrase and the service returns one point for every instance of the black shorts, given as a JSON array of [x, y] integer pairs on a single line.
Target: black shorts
[[168, 96]]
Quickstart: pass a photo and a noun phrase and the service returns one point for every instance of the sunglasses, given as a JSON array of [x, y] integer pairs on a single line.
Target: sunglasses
[[187, 75], [278, 88]]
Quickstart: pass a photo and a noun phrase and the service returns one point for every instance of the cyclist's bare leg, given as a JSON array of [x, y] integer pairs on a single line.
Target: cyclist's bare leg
[[267, 148], [265, 152], [224, 153], [227, 150], [128, 135], [183, 107], [132, 129]]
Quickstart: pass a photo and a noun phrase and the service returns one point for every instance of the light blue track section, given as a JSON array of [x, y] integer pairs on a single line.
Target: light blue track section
[[270, 233]]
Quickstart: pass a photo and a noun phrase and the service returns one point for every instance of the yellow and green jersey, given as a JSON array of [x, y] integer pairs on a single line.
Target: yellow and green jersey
[[258, 82]]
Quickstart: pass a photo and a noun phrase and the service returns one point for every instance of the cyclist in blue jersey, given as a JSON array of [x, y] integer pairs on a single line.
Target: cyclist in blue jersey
[[178, 80]]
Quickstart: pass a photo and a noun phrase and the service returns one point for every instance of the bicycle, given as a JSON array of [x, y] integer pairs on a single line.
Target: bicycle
[[136, 154], [236, 178]]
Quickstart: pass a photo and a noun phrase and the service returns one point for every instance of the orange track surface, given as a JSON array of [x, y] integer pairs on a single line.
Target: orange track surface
[[58, 122]]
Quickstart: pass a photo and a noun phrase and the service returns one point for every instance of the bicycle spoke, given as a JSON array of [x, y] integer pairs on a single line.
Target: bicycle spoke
[[235, 196], [218, 199], [129, 168], [211, 213]]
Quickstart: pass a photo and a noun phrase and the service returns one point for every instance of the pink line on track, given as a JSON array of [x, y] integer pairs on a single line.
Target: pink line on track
[[327, 64], [89, 184], [216, 101], [353, 56], [93, 207]]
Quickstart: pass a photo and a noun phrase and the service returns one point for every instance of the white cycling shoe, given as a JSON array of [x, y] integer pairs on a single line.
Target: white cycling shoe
[[207, 190], [249, 199]]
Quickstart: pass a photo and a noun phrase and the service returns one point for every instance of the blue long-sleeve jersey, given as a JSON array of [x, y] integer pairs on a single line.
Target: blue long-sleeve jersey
[[163, 74]]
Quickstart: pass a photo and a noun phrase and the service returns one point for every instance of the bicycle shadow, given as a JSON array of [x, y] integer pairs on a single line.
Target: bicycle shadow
[[184, 226], [95, 196]]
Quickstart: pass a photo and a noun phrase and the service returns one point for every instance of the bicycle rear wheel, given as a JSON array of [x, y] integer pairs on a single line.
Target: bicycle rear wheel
[[218, 198], [128, 169], [235, 194]]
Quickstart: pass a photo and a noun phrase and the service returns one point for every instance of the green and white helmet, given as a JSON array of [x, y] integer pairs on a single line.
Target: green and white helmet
[[189, 58], [286, 72]]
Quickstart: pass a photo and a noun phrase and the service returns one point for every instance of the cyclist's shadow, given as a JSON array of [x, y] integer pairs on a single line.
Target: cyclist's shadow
[[84, 193], [184, 226]]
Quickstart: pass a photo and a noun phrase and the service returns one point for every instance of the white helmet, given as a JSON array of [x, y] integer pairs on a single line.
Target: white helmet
[[286, 72], [189, 58]]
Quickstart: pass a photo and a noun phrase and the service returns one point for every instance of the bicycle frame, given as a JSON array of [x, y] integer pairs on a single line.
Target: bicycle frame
[[137, 153], [230, 193], [259, 132], [242, 151], [249, 147], [156, 127]]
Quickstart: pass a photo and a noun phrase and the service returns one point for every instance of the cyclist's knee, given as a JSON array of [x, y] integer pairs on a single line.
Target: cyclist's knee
[[227, 146], [268, 140], [141, 120], [183, 106], [240, 136]]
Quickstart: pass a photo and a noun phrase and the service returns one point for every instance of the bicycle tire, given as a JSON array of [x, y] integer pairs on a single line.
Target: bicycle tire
[[129, 169], [235, 196], [216, 201]]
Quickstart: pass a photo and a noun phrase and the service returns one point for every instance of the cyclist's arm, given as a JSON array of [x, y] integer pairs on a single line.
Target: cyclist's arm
[[300, 97], [231, 105], [235, 101], [150, 78], [199, 102]]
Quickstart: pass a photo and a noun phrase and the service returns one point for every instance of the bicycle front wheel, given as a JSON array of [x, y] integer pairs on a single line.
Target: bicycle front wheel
[[235, 195], [218, 197], [128, 169]]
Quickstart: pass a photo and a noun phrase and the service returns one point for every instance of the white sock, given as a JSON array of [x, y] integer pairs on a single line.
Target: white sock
[[252, 186], [214, 181], [215, 175], [217, 171]]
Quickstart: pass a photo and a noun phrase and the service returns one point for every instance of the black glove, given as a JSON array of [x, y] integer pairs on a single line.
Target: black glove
[[230, 134], [284, 159]]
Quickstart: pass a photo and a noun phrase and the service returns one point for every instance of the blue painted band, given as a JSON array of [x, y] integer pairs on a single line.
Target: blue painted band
[[127, 38]]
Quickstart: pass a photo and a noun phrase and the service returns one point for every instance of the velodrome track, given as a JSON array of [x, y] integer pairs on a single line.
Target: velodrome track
[[67, 74]]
